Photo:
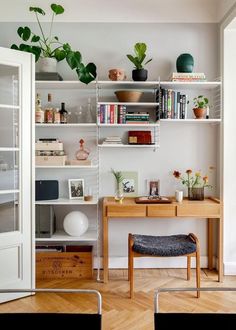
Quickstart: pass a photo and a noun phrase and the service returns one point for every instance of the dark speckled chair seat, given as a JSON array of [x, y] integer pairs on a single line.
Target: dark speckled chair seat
[[164, 246]]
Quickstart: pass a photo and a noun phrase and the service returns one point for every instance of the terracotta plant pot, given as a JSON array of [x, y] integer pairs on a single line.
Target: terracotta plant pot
[[199, 112]]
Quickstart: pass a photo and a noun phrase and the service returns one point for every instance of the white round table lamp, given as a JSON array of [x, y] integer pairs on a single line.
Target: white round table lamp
[[75, 223]]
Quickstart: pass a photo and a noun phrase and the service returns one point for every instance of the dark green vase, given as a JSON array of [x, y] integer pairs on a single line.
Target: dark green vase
[[185, 63]]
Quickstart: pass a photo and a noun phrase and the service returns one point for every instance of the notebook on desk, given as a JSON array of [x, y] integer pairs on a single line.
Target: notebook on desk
[[153, 200]]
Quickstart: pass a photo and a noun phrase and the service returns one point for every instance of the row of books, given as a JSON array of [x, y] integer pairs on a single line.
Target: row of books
[[172, 104], [117, 114], [188, 77]]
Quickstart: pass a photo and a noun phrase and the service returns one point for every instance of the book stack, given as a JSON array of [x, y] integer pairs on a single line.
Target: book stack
[[112, 140], [188, 77], [172, 104], [137, 118]]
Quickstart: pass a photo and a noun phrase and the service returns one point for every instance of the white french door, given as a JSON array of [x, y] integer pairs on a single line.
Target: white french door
[[16, 176]]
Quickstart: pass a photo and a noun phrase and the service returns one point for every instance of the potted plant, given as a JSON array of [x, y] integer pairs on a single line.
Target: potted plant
[[119, 192], [49, 48], [139, 74], [200, 103]]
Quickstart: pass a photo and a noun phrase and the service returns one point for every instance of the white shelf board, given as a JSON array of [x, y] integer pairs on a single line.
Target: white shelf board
[[64, 84], [7, 106], [130, 125], [89, 167], [9, 191], [190, 85], [9, 149], [106, 84], [61, 236], [67, 125], [153, 146], [67, 201], [195, 121], [136, 104]]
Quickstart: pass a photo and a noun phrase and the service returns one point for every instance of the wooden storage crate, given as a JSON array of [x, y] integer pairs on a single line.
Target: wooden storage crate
[[58, 265]]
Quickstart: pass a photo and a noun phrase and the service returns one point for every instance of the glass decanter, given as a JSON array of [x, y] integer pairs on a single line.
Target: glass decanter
[[82, 153]]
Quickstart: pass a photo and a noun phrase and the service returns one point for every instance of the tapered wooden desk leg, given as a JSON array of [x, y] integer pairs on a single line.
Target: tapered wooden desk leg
[[188, 268], [105, 249], [220, 250], [210, 244]]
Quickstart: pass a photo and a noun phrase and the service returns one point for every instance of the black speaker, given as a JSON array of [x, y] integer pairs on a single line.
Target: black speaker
[[46, 190]]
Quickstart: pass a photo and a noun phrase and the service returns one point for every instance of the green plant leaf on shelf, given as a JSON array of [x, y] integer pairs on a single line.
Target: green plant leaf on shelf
[[57, 9], [37, 10], [24, 33]]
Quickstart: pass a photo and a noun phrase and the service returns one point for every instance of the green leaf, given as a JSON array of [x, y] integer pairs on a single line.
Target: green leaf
[[60, 54], [87, 73], [67, 47], [24, 33], [56, 38], [73, 59], [140, 49], [148, 61], [57, 9], [37, 10], [135, 61], [36, 51], [35, 38], [14, 46], [206, 100]]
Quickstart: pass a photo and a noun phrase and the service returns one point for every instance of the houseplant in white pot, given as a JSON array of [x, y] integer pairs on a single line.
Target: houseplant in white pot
[[49, 50], [139, 73]]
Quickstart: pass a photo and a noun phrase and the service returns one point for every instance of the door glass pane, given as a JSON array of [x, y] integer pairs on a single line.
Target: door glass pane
[[9, 119], [9, 213], [9, 82], [9, 170]]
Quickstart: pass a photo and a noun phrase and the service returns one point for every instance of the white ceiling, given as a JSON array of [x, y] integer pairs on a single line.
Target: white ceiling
[[189, 11]]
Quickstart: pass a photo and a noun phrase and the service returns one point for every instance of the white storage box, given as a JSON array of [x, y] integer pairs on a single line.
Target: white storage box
[[50, 160], [51, 146]]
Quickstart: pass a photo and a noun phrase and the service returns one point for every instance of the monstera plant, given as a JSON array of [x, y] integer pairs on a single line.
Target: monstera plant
[[49, 46]]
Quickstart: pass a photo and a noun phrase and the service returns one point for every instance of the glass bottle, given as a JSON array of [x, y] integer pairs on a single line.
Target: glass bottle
[[49, 110], [39, 113], [89, 116], [82, 153], [63, 114], [57, 117]]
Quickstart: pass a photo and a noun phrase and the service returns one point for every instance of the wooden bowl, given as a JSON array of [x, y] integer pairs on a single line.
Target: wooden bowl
[[128, 95]]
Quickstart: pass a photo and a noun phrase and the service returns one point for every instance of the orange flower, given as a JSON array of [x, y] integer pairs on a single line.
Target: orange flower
[[176, 174], [205, 179], [189, 171]]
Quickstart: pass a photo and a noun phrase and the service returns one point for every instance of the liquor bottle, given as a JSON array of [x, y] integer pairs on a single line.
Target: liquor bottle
[[39, 113], [63, 114], [57, 117], [89, 116], [49, 110]]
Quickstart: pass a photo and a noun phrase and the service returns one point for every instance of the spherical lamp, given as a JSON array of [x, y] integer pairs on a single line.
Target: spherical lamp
[[185, 63], [75, 223]]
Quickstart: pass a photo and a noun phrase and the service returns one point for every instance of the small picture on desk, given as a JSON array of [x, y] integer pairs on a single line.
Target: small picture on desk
[[76, 188], [153, 187], [130, 184]]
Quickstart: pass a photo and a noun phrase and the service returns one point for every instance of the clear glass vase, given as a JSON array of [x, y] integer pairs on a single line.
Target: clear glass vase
[[119, 195], [196, 194]]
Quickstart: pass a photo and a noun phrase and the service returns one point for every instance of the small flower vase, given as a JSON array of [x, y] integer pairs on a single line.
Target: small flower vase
[[196, 194], [119, 196]]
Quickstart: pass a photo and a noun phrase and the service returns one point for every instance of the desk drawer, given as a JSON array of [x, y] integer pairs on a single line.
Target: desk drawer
[[161, 211], [201, 210], [126, 211]]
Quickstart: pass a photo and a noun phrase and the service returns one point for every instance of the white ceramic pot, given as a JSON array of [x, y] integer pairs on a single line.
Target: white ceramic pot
[[75, 223], [47, 64]]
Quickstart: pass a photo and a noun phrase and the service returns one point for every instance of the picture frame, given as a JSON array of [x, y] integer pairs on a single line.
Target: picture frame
[[153, 187], [76, 188], [129, 184]]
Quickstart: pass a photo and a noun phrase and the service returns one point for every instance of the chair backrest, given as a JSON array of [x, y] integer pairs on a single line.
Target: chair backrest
[[164, 321], [57, 320]]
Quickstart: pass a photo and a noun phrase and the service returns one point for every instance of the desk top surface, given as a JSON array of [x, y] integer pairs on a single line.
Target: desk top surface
[[131, 201]]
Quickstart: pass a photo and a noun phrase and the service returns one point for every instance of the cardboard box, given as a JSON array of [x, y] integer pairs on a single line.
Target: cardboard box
[[50, 146], [58, 265], [50, 160]]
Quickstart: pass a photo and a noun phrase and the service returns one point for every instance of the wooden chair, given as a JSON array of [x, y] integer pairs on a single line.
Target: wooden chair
[[163, 246]]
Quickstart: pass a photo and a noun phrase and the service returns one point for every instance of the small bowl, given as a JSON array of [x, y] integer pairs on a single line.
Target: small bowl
[[128, 95]]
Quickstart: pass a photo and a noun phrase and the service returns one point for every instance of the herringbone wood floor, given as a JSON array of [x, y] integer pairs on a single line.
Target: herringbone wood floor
[[119, 312]]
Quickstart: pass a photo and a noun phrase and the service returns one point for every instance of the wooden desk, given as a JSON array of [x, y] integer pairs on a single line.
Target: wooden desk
[[210, 209]]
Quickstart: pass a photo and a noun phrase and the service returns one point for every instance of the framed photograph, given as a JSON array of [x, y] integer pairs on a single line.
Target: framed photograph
[[153, 187], [129, 184], [76, 188]]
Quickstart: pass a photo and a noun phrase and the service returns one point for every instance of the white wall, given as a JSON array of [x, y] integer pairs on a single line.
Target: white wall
[[181, 146], [192, 11], [229, 148]]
